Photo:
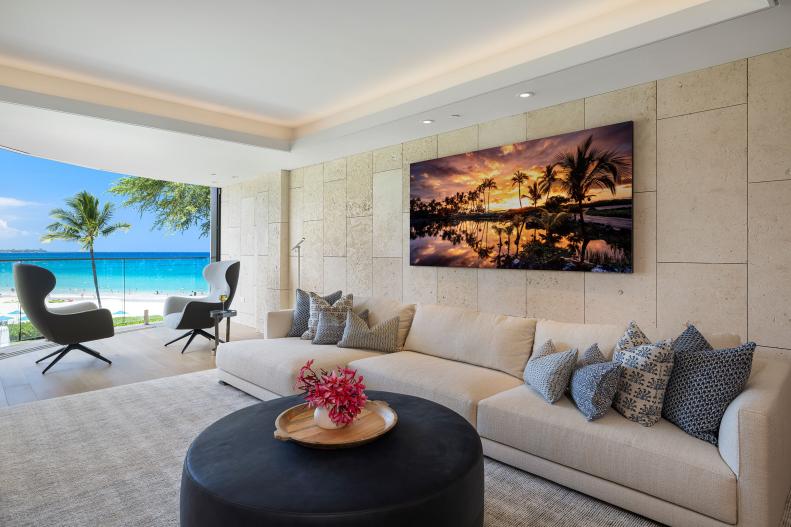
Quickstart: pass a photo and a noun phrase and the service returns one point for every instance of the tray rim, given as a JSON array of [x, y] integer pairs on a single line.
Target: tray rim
[[381, 406]]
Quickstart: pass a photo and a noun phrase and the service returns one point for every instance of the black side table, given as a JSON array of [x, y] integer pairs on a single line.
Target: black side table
[[218, 315]]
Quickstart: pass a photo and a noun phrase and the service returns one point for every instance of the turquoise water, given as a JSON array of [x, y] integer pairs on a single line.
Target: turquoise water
[[132, 272]]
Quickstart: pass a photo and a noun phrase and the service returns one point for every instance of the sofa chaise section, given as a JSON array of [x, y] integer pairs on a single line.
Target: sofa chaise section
[[267, 368], [273, 365]]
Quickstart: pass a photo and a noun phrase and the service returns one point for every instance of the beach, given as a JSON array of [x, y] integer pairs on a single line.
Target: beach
[[129, 283]]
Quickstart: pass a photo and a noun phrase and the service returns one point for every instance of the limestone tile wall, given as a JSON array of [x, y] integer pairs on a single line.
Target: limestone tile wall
[[712, 190], [255, 231]]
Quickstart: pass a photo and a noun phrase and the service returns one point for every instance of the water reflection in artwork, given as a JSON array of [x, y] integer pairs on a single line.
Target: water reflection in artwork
[[561, 203]]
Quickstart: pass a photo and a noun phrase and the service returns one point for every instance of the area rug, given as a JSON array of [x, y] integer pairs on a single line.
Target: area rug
[[113, 458]]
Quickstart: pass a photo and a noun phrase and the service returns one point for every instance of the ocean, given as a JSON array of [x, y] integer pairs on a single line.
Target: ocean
[[118, 272]]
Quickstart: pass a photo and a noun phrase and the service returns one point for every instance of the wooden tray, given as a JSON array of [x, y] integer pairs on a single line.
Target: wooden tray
[[296, 424]]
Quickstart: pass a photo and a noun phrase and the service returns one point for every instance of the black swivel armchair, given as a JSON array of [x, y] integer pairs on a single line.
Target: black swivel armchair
[[69, 325]]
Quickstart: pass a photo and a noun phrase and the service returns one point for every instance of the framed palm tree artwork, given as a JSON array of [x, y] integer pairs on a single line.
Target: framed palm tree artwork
[[559, 203]]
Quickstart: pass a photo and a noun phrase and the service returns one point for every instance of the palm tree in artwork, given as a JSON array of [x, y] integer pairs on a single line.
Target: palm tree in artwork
[[517, 179], [534, 193], [83, 221], [585, 170], [547, 179], [488, 185]]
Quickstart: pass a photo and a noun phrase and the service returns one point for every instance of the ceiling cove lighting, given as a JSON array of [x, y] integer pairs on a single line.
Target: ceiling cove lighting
[[526, 94], [427, 121]]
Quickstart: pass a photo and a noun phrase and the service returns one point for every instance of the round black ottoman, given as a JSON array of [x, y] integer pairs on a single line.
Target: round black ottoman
[[428, 471]]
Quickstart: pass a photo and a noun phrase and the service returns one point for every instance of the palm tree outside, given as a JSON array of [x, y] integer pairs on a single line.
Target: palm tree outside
[[84, 221], [517, 179], [588, 169]]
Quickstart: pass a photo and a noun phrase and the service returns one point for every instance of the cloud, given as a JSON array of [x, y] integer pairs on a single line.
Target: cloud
[[6, 231], [13, 202]]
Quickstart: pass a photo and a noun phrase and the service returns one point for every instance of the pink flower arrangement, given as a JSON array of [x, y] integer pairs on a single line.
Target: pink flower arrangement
[[341, 392]]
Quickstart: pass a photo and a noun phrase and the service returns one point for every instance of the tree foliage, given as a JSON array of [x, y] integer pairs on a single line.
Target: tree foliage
[[83, 221], [176, 206]]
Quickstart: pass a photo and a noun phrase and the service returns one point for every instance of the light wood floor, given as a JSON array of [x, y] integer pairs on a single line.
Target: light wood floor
[[137, 355]]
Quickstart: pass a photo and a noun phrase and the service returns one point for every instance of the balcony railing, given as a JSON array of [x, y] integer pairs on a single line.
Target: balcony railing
[[132, 288]]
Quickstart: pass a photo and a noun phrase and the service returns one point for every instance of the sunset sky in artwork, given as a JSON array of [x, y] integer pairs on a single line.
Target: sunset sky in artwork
[[445, 176]]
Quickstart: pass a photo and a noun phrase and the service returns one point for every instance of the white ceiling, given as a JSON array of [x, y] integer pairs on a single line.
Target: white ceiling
[[292, 62], [338, 77]]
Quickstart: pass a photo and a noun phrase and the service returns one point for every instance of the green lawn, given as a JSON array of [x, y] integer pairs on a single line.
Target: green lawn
[[29, 332]]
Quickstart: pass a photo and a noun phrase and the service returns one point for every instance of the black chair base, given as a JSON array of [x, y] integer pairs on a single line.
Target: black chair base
[[64, 350], [192, 334]]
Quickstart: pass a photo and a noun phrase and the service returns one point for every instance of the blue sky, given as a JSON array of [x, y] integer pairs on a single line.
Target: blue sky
[[30, 187]]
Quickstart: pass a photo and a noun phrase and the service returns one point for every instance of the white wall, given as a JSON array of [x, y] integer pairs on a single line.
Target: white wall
[[712, 190]]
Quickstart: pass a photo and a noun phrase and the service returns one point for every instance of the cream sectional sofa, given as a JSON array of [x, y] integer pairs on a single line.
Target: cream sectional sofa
[[472, 363]]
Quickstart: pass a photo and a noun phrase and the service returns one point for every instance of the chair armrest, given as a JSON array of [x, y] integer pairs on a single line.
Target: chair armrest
[[176, 304], [82, 327], [755, 441], [69, 308], [278, 323], [195, 314]]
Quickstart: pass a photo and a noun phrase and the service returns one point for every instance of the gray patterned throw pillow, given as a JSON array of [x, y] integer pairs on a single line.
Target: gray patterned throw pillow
[[704, 382], [318, 305], [594, 383], [548, 372], [302, 311], [646, 372], [381, 337], [330, 328]]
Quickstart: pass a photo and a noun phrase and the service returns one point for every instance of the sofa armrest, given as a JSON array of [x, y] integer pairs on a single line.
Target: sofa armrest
[[278, 323], [755, 441]]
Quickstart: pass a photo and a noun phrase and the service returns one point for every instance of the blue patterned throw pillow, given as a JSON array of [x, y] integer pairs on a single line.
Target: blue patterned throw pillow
[[704, 382], [302, 311], [646, 372], [594, 383], [548, 372]]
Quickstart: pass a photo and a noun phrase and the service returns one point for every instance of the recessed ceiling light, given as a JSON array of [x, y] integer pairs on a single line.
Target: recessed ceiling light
[[428, 121], [526, 94]]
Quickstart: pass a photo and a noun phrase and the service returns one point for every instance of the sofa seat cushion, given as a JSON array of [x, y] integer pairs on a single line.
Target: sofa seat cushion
[[453, 384], [662, 461], [273, 364]]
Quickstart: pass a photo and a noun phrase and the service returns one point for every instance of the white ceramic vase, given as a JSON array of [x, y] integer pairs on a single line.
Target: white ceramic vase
[[321, 416]]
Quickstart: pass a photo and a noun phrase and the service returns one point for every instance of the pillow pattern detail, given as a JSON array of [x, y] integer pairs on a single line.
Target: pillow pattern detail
[[593, 388], [642, 384], [592, 355], [704, 382], [690, 340], [548, 372], [302, 311], [318, 305], [381, 337], [330, 328], [633, 337]]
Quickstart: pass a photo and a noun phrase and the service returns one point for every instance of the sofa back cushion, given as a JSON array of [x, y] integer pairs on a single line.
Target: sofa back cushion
[[381, 309], [569, 335], [498, 342]]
